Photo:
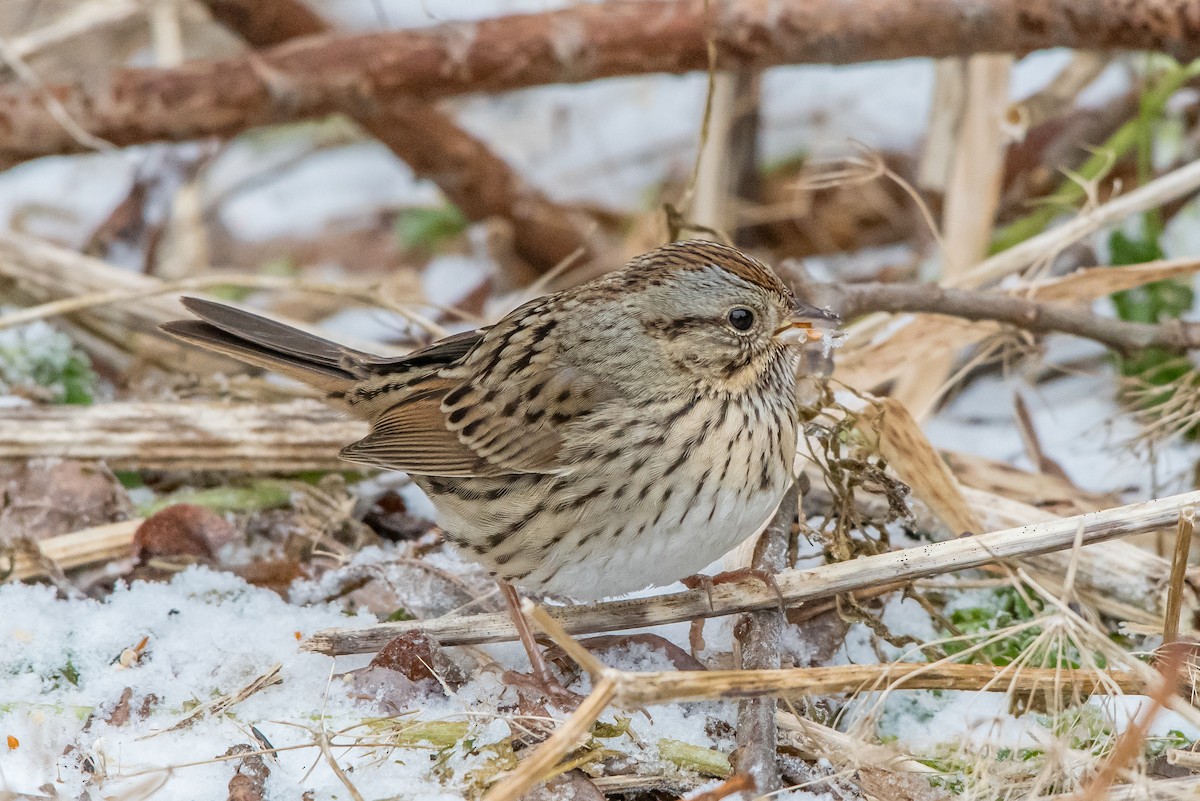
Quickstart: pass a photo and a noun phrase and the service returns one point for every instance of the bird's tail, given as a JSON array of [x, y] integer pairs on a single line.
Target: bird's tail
[[266, 343]]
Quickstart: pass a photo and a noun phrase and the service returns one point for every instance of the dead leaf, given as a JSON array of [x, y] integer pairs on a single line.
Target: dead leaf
[[419, 657], [249, 780], [182, 530]]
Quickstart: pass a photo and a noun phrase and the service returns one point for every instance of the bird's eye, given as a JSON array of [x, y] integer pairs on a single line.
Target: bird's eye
[[741, 318]]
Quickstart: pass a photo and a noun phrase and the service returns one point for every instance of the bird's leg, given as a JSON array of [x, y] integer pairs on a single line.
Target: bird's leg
[[551, 686], [708, 582]]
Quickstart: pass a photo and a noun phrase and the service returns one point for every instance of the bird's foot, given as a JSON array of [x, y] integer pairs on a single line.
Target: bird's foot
[[546, 685], [708, 582]]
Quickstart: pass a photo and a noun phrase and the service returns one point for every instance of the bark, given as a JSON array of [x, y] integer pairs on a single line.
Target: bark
[[471, 176], [326, 73]]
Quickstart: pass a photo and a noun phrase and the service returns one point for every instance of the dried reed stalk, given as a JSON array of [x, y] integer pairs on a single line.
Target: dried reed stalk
[[251, 438], [796, 586], [639, 689], [1052, 241], [84, 547], [972, 197]]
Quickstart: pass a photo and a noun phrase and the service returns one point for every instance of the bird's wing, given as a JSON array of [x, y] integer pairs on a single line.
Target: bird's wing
[[508, 407]]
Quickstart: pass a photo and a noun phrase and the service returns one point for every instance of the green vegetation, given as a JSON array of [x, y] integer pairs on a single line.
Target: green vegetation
[[430, 229], [39, 361]]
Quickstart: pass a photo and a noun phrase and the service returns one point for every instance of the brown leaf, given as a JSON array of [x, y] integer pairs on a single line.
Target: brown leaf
[[182, 530], [275, 574], [419, 657], [249, 780], [119, 715]]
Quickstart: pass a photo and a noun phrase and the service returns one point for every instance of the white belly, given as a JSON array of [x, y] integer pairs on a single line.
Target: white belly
[[668, 552]]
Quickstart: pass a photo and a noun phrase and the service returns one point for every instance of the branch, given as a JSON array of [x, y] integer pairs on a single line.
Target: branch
[[323, 74], [759, 635], [852, 300], [263, 23], [796, 586], [470, 175]]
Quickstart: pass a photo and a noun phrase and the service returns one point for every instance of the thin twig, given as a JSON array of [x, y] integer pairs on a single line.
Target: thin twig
[[1127, 338], [1175, 586]]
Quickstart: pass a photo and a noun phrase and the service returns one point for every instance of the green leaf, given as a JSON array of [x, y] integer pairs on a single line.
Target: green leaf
[[429, 229], [401, 614]]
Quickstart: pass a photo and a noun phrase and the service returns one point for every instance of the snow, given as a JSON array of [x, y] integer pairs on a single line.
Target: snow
[[209, 634]]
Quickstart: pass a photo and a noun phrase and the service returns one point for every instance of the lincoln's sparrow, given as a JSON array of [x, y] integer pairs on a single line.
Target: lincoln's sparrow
[[616, 435]]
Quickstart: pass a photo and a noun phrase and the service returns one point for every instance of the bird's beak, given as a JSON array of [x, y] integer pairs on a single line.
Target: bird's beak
[[806, 324]]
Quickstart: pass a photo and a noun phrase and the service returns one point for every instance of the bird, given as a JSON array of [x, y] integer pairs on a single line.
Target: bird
[[615, 435]]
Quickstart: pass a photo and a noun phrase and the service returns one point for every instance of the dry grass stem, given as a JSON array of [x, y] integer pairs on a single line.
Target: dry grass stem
[[1172, 661], [567, 736], [641, 689], [88, 546], [971, 199], [85, 18], [1049, 243], [219, 705], [796, 586], [1175, 586]]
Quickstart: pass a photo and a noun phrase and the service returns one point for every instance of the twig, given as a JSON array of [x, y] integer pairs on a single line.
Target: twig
[[737, 783], [579, 43], [219, 705], [1163, 189], [634, 690], [565, 737], [48, 100], [796, 586], [1175, 586], [78, 303], [710, 685], [1059, 95], [1173, 659], [758, 636], [1126, 338]]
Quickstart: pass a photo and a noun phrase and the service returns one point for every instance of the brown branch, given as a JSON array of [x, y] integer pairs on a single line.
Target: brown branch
[[263, 23], [1126, 338], [758, 635], [471, 176], [322, 74]]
